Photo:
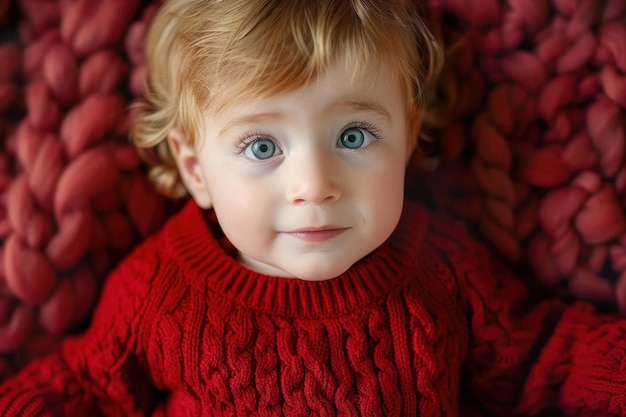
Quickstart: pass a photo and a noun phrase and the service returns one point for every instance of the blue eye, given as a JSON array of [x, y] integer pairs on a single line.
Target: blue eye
[[354, 138], [261, 149]]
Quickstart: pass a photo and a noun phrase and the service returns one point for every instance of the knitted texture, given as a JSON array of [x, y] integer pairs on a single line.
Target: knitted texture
[[392, 336], [10, 111], [75, 196], [536, 156]]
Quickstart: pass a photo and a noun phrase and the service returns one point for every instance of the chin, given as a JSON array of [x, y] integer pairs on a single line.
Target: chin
[[305, 270], [319, 274]]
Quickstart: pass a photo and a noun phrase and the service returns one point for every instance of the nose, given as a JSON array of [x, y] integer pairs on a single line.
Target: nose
[[313, 179]]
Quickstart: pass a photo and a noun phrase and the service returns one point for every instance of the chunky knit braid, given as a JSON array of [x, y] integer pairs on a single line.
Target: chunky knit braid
[[78, 199], [538, 161]]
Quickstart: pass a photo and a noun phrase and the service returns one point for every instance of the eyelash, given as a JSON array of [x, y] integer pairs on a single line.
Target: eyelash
[[249, 138], [365, 126]]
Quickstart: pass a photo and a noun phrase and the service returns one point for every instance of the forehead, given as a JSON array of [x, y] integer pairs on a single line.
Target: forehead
[[373, 87]]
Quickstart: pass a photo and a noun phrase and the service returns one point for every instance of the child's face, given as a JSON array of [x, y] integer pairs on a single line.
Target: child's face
[[305, 183]]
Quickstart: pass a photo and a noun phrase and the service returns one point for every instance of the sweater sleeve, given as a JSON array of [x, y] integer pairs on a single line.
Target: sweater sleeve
[[100, 372], [528, 354]]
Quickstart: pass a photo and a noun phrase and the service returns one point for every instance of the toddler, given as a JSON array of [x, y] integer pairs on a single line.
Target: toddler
[[297, 281]]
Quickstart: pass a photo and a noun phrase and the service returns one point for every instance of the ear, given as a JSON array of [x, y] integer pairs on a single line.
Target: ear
[[189, 168]]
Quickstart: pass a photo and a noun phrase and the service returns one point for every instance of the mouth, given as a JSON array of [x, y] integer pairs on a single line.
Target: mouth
[[317, 234]]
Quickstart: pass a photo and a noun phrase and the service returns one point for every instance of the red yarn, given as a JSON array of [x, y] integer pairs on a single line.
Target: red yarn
[[536, 158], [192, 332], [78, 199], [546, 151]]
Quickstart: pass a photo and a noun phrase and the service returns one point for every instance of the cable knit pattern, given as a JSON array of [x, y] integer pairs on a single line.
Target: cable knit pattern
[[183, 329]]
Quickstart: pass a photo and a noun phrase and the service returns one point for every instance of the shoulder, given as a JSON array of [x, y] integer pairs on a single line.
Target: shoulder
[[145, 262], [450, 233], [413, 222], [446, 239], [439, 227], [188, 221], [472, 263], [137, 272]]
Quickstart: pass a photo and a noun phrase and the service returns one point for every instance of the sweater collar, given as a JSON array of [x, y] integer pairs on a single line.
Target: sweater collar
[[207, 264]]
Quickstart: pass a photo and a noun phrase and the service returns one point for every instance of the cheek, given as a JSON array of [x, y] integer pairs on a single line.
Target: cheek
[[241, 208], [388, 181], [384, 193], [389, 198]]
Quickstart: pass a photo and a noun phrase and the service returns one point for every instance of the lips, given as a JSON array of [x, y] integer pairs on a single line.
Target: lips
[[317, 234]]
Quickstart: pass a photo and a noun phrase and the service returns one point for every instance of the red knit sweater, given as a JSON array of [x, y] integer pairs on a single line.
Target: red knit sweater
[[417, 327]]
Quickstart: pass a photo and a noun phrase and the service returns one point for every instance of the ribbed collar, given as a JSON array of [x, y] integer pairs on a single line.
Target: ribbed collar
[[189, 240]]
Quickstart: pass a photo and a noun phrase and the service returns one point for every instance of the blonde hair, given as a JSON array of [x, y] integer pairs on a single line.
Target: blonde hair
[[199, 51]]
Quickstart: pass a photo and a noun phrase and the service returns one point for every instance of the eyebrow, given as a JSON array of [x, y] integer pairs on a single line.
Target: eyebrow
[[358, 105], [369, 106], [251, 119]]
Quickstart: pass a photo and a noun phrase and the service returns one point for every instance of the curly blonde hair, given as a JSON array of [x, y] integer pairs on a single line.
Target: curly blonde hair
[[201, 53]]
